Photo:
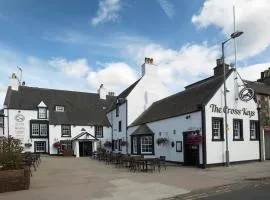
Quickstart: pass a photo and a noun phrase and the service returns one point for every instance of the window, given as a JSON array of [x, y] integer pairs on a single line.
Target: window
[[42, 113], [117, 111], [134, 140], [178, 146], [115, 144], [66, 145], [254, 130], [120, 145], [1, 121], [99, 131], [237, 129], [40, 147], [39, 128], [66, 131], [146, 144], [59, 108], [119, 126], [217, 129]]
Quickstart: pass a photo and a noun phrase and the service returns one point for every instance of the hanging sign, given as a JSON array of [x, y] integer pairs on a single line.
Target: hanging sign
[[246, 94]]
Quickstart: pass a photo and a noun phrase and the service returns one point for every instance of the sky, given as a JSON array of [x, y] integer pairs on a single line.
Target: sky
[[78, 45]]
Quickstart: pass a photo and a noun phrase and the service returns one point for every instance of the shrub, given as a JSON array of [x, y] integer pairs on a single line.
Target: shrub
[[10, 153]]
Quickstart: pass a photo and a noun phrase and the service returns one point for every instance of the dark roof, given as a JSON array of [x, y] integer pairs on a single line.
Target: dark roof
[[142, 130], [81, 108], [123, 95], [258, 87], [190, 100]]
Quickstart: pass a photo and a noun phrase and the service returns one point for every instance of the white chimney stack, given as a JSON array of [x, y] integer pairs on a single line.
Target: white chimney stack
[[14, 82], [148, 68], [102, 92]]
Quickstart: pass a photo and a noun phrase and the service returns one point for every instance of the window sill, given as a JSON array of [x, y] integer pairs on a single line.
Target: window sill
[[38, 136], [238, 139], [218, 140], [65, 135], [255, 139]]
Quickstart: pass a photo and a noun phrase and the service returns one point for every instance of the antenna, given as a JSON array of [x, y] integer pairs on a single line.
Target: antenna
[[20, 80]]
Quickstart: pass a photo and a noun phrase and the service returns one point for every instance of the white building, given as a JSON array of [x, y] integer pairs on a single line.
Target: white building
[[44, 119], [191, 124], [132, 102]]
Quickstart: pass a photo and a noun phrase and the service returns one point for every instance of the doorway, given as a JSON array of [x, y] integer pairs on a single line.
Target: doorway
[[191, 151], [85, 148]]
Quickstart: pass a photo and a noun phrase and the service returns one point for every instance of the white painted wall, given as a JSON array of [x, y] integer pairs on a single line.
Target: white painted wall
[[239, 150], [165, 128]]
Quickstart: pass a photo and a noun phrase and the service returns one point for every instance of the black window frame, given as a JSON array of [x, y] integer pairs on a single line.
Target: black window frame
[[46, 113], [117, 111], [35, 146], [241, 130], [96, 128], [221, 120], [119, 145], [62, 128], [120, 126], [39, 122], [139, 144], [2, 118], [257, 129]]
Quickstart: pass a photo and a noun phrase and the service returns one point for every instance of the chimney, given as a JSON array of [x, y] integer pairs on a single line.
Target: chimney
[[102, 92], [148, 68], [218, 70], [14, 82], [265, 77]]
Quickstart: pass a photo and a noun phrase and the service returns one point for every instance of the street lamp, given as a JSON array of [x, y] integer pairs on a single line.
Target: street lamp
[[233, 36]]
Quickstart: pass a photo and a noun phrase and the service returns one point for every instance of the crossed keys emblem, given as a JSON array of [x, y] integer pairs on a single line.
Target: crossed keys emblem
[[19, 118], [246, 94]]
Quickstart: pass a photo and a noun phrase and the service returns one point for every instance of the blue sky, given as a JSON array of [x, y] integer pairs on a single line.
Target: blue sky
[[78, 45]]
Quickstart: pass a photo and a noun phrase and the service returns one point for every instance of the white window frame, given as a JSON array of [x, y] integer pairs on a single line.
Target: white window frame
[[35, 129], [99, 131], [237, 132], [253, 130], [216, 127], [59, 108], [37, 145], [42, 113], [43, 130], [146, 143], [65, 130], [135, 145]]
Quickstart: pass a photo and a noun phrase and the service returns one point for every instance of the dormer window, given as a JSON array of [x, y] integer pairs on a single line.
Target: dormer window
[[42, 113], [59, 108]]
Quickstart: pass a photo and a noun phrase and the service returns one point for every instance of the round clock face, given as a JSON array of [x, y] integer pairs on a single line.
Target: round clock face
[[19, 118]]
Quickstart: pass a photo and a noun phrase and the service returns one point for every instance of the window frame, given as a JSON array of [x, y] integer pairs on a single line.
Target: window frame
[[257, 130], [39, 122], [35, 146], [119, 145], [120, 126], [241, 137], [59, 106], [2, 121], [46, 114], [178, 146], [98, 131], [134, 141], [221, 129], [141, 139], [62, 130]]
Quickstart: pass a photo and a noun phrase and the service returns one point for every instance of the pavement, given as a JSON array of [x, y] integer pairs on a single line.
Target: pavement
[[69, 178]]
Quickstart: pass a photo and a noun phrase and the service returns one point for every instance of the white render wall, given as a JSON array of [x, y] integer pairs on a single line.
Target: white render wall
[[148, 90], [239, 150], [166, 127]]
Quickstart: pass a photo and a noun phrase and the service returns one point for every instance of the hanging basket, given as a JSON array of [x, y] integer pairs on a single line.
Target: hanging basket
[[28, 145], [162, 140], [57, 145], [108, 144]]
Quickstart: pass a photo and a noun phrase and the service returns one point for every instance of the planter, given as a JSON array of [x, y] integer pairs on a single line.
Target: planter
[[13, 180]]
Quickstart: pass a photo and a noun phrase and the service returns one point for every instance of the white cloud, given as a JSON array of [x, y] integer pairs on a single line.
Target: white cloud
[[108, 10], [253, 72], [167, 7], [115, 76], [76, 68], [252, 17]]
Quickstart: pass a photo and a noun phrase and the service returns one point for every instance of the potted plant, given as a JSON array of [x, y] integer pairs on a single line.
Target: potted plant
[[28, 145], [162, 140], [57, 145], [123, 143]]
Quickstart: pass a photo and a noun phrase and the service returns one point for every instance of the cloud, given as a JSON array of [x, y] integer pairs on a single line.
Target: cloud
[[253, 72], [108, 10], [115, 76], [252, 17], [167, 7], [76, 68]]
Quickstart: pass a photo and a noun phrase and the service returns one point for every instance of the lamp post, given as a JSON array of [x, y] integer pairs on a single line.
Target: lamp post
[[233, 35]]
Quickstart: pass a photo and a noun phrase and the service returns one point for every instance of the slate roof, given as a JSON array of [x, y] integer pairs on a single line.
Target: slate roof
[[81, 108], [258, 87], [143, 129], [122, 96], [187, 101]]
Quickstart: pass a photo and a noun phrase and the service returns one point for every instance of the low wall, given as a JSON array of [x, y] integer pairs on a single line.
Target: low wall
[[13, 180]]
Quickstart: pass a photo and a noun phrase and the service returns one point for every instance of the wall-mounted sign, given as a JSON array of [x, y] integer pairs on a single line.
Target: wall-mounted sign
[[246, 94], [233, 111], [19, 118]]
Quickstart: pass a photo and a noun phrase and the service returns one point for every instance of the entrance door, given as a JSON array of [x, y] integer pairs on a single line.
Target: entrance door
[[267, 145], [85, 148], [191, 151]]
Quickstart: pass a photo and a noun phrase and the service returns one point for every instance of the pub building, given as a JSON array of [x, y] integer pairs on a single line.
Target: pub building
[[189, 127]]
